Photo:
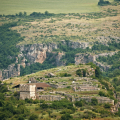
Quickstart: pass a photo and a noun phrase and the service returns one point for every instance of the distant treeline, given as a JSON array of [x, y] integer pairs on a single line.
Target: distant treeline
[[34, 14]]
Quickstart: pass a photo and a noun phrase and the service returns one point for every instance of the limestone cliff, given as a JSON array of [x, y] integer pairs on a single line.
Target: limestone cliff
[[36, 52], [85, 58], [12, 71], [75, 45], [58, 59]]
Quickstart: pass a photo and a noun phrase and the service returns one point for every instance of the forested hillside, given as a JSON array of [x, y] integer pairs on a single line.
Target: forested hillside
[[8, 42]]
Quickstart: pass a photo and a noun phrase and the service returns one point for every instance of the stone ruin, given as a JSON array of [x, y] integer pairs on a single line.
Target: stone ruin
[[33, 80], [100, 99], [27, 91], [85, 88], [87, 99], [49, 97]]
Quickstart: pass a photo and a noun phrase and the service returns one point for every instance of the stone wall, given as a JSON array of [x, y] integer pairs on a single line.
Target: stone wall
[[87, 99], [49, 97], [100, 99], [85, 88], [115, 107]]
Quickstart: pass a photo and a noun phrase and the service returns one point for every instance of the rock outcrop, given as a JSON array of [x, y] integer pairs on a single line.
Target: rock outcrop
[[58, 59], [12, 71], [84, 58], [75, 45], [36, 52], [78, 44]]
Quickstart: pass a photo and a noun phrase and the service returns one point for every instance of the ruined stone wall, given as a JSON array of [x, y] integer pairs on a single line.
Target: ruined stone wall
[[24, 95], [100, 99], [53, 85], [49, 97], [85, 88], [87, 99]]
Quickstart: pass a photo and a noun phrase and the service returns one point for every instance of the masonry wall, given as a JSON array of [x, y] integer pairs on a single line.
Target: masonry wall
[[24, 95], [49, 97], [27, 91], [100, 99]]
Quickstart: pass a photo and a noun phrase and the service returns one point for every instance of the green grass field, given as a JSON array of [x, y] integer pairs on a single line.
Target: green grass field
[[53, 6]]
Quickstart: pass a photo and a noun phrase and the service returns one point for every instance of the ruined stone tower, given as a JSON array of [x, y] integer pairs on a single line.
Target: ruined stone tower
[[27, 91]]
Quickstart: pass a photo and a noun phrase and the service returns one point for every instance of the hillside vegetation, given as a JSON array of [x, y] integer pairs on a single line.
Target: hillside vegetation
[[100, 29], [64, 76]]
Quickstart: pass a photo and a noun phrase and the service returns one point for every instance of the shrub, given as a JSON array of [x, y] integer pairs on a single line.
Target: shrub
[[33, 117], [41, 101], [66, 116], [64, 75], [44, 106], [21, 118], [79, 103], [78, 72], [94, 101], [36, 101], [102, 93], [107, 105], [28, 100]]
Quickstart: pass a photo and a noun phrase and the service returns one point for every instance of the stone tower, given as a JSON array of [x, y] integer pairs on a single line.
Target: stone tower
[[27, 91]]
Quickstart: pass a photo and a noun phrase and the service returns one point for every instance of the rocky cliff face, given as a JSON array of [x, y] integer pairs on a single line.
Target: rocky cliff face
[[29, 54], [12, 71], [36, 52], [58, 59], [78, 44], [85, 58], [75, 45]]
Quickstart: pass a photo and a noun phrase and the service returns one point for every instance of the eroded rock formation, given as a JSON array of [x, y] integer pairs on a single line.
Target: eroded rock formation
[[36, 52], [84, 58], [12, 71]]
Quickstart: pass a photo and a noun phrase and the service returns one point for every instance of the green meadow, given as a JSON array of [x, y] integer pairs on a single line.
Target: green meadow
[[53, 6]]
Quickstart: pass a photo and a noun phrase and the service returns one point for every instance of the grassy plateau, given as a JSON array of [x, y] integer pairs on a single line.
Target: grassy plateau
[[53, 6]]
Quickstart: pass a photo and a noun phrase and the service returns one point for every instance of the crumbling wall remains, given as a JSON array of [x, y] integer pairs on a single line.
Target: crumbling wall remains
[[49, 97]]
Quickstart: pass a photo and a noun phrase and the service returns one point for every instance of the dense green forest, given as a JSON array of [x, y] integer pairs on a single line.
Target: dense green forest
[[8, 41]]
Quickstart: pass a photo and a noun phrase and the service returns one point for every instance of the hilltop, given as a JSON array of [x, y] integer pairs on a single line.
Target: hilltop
[[65, 82]]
